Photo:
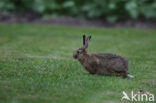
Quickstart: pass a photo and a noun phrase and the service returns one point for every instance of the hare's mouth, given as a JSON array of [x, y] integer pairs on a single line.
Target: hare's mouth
[[75, 56]]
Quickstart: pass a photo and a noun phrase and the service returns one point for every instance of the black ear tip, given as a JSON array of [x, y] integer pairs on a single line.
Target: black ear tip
[[90, 37]]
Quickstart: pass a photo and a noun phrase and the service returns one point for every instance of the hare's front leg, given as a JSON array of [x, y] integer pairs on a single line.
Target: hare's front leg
[[92, 73]]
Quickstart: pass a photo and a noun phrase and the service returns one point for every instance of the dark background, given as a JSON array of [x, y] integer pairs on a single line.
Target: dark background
[[109, 11]]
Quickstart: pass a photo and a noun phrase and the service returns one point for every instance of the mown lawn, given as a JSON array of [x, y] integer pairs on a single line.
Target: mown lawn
[[36, 64]]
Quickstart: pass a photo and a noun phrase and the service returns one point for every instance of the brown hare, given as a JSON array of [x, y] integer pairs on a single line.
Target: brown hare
[[101, 64]]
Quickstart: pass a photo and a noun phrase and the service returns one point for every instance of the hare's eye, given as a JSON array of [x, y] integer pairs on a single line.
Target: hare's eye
[[78, 52]]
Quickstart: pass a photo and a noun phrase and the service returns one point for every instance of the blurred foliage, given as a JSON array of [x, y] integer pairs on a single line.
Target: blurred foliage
[[111, 10]]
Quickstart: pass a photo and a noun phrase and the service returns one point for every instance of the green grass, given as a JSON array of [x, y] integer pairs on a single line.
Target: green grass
[[36, 64]]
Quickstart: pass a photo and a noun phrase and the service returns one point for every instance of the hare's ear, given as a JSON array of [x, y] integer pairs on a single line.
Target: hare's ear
[[84, 40], [89, 37], [87, 41]]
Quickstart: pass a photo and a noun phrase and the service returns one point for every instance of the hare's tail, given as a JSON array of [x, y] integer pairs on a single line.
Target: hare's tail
[[130, 76]]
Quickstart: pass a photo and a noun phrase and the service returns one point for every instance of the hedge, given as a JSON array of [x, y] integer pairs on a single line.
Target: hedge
[[110, 10]]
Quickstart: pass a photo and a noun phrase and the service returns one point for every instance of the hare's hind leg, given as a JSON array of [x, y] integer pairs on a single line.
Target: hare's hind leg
[[123, 74]]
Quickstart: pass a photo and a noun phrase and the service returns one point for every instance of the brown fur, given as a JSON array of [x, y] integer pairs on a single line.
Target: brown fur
[[101, 64]]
